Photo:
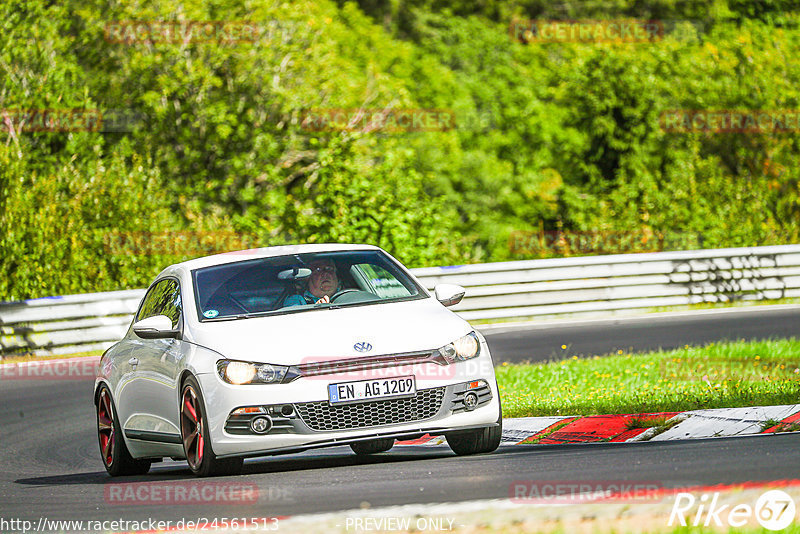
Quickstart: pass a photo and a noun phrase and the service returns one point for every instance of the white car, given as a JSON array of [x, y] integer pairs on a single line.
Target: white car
[[284, 349]]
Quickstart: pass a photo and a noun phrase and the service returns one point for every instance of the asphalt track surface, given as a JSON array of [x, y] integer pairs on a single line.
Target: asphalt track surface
[[50, 465], [640, 334]]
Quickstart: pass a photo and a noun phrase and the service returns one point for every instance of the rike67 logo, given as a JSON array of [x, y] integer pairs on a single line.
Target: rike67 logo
[[774, 510]]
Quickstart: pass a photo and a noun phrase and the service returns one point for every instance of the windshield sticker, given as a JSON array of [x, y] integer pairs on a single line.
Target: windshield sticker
[[210, 314]]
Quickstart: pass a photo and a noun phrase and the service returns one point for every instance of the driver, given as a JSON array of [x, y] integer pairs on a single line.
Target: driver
[[322, 285]]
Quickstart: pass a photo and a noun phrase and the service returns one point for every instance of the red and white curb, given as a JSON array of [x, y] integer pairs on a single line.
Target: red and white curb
[[728, 422], [694, 424]]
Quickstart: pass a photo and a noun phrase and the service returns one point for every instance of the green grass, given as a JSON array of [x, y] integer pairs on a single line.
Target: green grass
[[788, 427], [769, 423], [645, 422], [719, 375], [663, 427]]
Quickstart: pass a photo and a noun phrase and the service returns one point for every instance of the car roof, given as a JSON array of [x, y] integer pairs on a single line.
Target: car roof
[[266, 252]]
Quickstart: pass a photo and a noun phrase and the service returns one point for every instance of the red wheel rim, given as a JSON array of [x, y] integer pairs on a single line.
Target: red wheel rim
[[192, 427], [105, 427]]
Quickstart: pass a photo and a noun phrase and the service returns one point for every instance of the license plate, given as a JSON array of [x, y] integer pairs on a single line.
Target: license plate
[[364, 390]]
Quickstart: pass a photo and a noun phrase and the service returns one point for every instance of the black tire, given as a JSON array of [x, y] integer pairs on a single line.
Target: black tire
[[194, 435], [373, 446], [116, 457], [477, 441]]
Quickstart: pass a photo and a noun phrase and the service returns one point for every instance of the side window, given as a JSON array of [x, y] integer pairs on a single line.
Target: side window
[[164, 298], [386, 286]]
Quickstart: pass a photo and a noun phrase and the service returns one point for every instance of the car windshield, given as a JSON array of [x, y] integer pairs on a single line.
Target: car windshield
[[300, 282]]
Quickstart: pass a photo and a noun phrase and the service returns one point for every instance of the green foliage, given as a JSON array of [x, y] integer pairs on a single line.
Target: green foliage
[[59, 225], [548, 137], [382, 202]]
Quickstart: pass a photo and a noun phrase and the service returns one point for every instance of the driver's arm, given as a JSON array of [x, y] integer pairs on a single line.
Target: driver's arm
[[294, 300]]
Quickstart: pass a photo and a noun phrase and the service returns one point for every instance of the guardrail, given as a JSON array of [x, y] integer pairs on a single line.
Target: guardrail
[[519, 289]]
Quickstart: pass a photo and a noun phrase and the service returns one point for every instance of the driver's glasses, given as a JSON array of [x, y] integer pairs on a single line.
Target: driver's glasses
[[324, 269]]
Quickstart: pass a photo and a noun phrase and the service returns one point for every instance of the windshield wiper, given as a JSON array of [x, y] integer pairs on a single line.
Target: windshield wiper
[[329, 305]]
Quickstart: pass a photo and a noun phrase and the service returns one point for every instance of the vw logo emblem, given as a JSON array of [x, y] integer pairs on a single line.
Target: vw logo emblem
[[363, 347]]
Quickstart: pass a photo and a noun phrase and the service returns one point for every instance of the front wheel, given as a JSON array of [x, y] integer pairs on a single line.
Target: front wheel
[[116, 458], [476, 441], [373, 446], [194, 434]]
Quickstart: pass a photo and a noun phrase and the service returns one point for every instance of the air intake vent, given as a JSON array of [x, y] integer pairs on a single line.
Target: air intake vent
[[323, 416]]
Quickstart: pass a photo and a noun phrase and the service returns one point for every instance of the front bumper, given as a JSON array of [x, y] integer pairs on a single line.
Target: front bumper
[[438, 407]]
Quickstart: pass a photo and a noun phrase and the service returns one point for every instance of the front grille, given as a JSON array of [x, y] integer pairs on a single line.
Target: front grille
[[323, 416]]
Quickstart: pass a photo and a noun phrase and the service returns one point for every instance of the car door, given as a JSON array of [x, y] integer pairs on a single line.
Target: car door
[[152, 393]]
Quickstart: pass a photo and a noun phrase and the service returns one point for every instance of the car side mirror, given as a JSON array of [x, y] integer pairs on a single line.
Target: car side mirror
[[449, 294], [155, 327]]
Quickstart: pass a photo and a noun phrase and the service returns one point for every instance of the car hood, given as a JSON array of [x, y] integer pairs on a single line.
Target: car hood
[[312, 335]]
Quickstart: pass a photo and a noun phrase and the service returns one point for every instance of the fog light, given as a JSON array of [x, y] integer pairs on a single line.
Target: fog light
[[261, 424], [248, 410], [470, 401]]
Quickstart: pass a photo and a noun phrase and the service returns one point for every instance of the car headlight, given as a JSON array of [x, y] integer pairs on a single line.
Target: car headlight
[[463, 348], [236, 372]]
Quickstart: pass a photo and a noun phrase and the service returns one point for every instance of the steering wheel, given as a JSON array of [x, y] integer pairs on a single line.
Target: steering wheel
[[343, 292]]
